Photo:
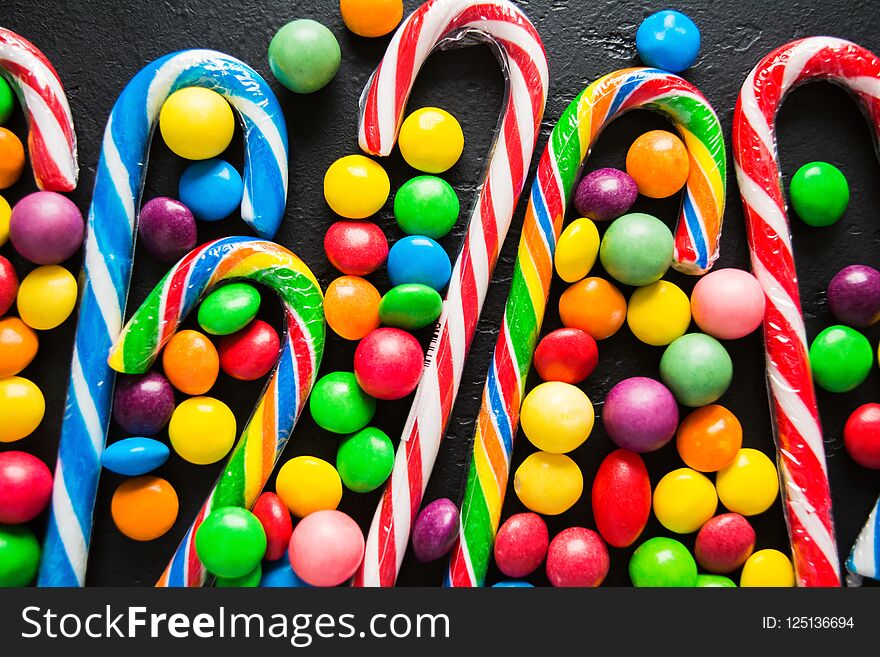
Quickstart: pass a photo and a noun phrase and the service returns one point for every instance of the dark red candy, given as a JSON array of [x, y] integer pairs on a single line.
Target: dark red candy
[[250, 353], [724, 543], [143, 404], [275, 518], [356, 248], [568, 354], [577, 557], [861, 436], [521, 544], [8, 285], [621, 497]]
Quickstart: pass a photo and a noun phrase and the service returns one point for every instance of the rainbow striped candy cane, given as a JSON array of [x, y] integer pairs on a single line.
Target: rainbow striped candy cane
[[51, 138], [266, 432], [108, 260], [800, 450], [439, 23], [696, 248]]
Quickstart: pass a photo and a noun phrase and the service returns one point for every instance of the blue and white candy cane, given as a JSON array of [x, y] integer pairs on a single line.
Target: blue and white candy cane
[[108, 261], [864, 560]]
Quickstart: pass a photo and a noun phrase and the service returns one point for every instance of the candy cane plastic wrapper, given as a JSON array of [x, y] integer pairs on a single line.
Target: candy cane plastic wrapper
[[447, 23], [864, 559], [696, 248], [51, 138], [108, 261], [801, 453]]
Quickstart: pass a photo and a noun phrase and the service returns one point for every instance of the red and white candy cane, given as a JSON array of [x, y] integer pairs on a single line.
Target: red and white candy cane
[[801, 453], [440, 23]]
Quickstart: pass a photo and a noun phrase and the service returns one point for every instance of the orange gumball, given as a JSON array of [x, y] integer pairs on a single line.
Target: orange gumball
[[658, 162], [593, 305], [18, 346], [709, 438], [351, 307], [191, 362], [371, 18], [11, 158], [144, 508]]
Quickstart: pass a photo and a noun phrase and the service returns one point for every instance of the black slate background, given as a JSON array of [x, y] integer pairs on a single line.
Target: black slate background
[[97, 45]]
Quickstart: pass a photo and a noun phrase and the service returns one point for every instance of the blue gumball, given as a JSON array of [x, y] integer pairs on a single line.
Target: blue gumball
[[211, 189], [280, 575], [512, 584], [419, 259], [668, 40]]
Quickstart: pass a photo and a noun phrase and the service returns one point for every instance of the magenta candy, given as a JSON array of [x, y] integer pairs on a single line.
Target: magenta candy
[[435, 530], [46, 228], [167, 229], [640, 414], [356, 248], [621, 498], [143, 403], [724, 543], [25, 487], [388, 363], [577, 557], [521, 544], [854, 295], [326, 547], [8, 285], [605, 194], [275, 519]]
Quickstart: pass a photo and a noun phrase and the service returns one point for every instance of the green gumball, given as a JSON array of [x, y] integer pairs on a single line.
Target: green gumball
[[19, 555], [304, 56], [696, 368], [714, 582], [249, 581], [840, 358], [229, 308], [819, 193], [231, 542], [636, 249], [338, 403], [365, 460], [7, 101], [662, 562], [426, 205]]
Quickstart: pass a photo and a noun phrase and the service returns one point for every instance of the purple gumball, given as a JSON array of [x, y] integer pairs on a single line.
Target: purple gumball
[[143, 403], [46, 228], [605, 194], [854, 295], [167, 229], [435, 530], [640, 414]]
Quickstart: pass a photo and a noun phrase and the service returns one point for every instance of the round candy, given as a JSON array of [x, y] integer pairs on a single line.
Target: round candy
[[365, 460], [435, 530], [249, 580], [25, 487], [668, 40], [22, 407], [211, 189], [202, 430], [304, 56], [748, 485], [167, 229], [593, 305], [662, 562], [196, 123], [351, 307], [7, 101], [621, 498], [19, 555], [605, 194], [840, 358], [5, 215], [338, 403], [410, 306], [418, 259], [697, 368], [819, 194], [280, 575], [568, 354], [144, 508], [557, 417], [854, 295], [307, 484], [577, 557], [326, 548], [46, 297], [249, 353], [512, 584], [46, 228], [133, 457], [548, 483], [728, 303], [11, 158], [356, 186], [658, 162], [143, 403], [356, 248], [684, 500], [658, 313], [275, 519], [8, 284], [229, 308], [724, 543], [709, 438], [861, 436], [521, 544], [230, 542], [576, 250], [636, 249], [714, 581], [388, 363], [431, 140], [371, 18], [191, 362], [640, 414], [426, 205], [18, 346], [767, 568]]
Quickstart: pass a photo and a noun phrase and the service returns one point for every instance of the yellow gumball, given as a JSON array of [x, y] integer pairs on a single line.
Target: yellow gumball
[[196, 123], [557, 417], [431, 140], [684, 500], [658, 313], [576, 250], [202, 430], [767, 568], [21, 408], [46, 297], [5, 214], [356, 187], [750, 484], [307, 484], [548, 483]]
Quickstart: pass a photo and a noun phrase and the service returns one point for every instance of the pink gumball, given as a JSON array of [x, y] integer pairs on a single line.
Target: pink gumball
[[521, 544], [25, 487], [326, 547], [388, 363], [724, 543], [577, 557], [728, 304]]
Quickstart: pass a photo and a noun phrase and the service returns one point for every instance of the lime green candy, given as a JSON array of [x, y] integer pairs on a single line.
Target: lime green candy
[[410, 306], [840, 358], [7, 101], [249, 581], [338, 403], [231, 542], [365, 460], [819, 194], [662, 562], [714, 582], [304, 56], [229, 308], [696, 368], [636, 249], [19, 555], [426, 205]]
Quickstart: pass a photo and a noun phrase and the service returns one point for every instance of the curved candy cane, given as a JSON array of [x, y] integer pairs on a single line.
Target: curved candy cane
[[108, 261], [801, 453], [697, 241], [51, 138], [436, 24]]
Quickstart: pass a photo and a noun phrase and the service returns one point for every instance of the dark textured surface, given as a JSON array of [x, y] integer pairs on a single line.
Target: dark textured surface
[[97, 46]]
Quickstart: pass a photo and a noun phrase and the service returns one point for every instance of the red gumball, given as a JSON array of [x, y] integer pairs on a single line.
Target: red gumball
[[250, 353], [356, 248], [388, 363], [568, 354], [861, 435], [621, 497], [25, 487], [521, 544], [275, 518], [8, 285], [724, 543], [577, 557]]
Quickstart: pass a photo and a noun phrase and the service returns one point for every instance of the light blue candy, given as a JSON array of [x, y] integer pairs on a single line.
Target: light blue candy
[[668, 40], [134, 456], [513, 584], [211, 189], [280, 575], [419, 259]]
